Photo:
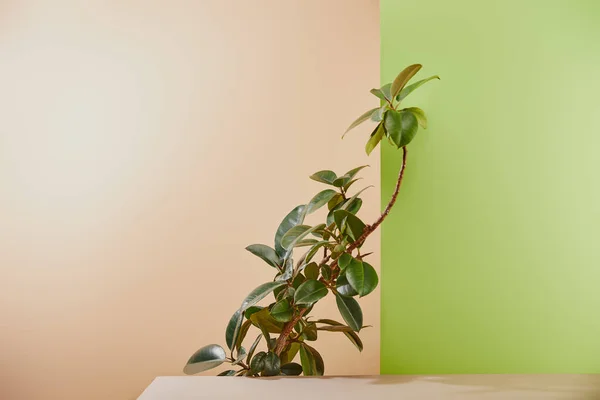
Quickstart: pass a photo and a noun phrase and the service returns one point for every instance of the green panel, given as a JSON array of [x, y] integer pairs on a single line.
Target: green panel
[[491, 260]]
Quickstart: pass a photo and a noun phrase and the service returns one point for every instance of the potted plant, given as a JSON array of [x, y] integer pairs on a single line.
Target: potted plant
[[301, 278]]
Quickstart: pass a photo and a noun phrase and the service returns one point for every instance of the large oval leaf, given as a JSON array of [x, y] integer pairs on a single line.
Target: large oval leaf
[[361, 119], [319, 364], [362, 276], [295, 217], [281, 311], [401, 127], [371, 279], [419, 114], [260, 293], [291, 369], [307, 359], [403, 78], [343, 286], [325, 176], [266, 253], [266, 322], [411, 88], [310, 291], [272, 364], [350, 311], [320, 200], [233, 328], [207, 357]]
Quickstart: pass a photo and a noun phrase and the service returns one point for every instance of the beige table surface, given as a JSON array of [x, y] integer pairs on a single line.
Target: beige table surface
[[513, 387]]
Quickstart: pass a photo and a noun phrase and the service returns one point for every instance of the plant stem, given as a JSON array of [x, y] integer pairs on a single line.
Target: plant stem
[[287, 329]]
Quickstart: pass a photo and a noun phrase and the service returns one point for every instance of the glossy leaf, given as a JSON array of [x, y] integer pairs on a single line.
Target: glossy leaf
[[311, 271], [401, 127], [251, 310], [325, 176], [266, 322], [335, 328], [297, 233], [309, 292], [344, 260], [242, 334], [307, 360], [288, 271], [253, 347], [361, 119], [403, 78], [258, 362], [233, 328], [349, 224], [271, 364], [335, 200], [371, 279], [411, 88], [347, 185], [355, 273], [326, 272], [375, 139], [383, 93], [343, 286], [266, 253], [319, 364], [240, 356], [205, 358], [320, 200], [310, 332], [378, 114], [260, 293], [352, 173], [281, 311], [419, 114], [354, 206], [295, 217], [350, 311], [229, 372], [352, 336], [290, 353], [291, 369], [315, 248]]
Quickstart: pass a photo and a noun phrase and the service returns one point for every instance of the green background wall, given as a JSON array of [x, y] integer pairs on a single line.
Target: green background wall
[[491, 261]]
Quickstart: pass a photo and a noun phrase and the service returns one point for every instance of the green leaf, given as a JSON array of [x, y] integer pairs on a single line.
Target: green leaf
[[258, 362], [260, 293], [242, 335], [411, 88], [350, 311], [310, 332], [335, 328], [320, 200], [419, 114], [291, 369], [354, 206], [343, 286], [326, 272], [352, 173], [233, 328], [229, 372], [313, 250], [362, 277], [290, 353], [403, 78], [351, 199], [344, 260], [352, 336], [310, 292], [240, 356], [251, 310], [295, 217], [265, 253], [347, 185], [383, 93], [298, 280], [207, 357], [335, 200], [307, 360], [325, 176], [281, 311], [297, 233], [253, 348], [360, 120], [371, 279], [288, 271], [272, 364], [266, 322], [349, 224], [401, 127], [375, 139], [319, 364], [311, 271], [378, 114]]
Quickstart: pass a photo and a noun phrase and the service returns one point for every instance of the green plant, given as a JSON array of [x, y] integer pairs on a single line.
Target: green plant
[[342, 270]]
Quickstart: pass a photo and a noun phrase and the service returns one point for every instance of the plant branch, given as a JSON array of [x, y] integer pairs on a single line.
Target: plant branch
[[287, 329]]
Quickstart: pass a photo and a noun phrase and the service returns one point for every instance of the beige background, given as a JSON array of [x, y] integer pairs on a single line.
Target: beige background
[[143, 145]]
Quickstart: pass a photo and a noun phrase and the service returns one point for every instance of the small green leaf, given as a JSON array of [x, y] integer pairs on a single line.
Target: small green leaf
[[310, 292], [251, 310], [307, 360], [242, 334], [288, 271], [295, 217], [350, 311], [319, 364], [401, 127], [207, 357], [313, 250], [347, 185], [320, 200], [325, 176], [352, 173], [253, 348], [403, 78], [375, 139], [258, 362], [411, 88], [296, 234], [311, 271], [335, 200], [310, 332], [233, 328], [378, 114], [326, 272], [360, 120], [355, 273], [383, 93], [344, 260], [343, 286], [349, 224], [354, 206], [291, 369], [265, 253], [240, 356], [419, 114], [229, 372], [260, 293], [281, 311], [272, 365]]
